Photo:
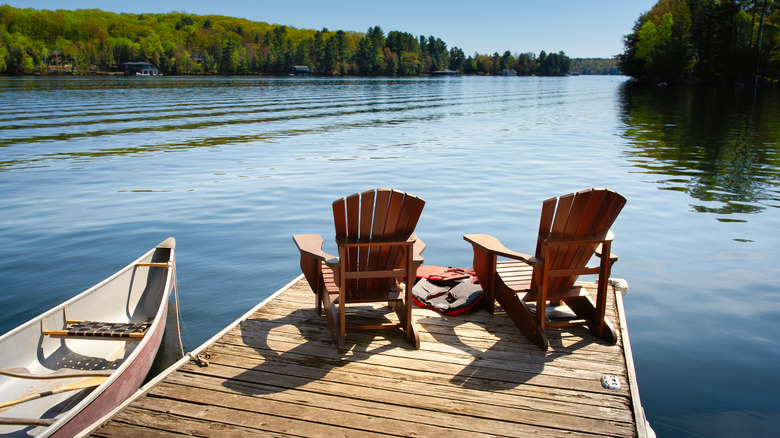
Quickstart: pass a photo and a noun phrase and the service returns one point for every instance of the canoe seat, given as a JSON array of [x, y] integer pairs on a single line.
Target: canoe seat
[[96, 329]]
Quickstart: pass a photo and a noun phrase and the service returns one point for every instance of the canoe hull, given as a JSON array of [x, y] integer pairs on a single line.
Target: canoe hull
[[136, 294], [124, 386]]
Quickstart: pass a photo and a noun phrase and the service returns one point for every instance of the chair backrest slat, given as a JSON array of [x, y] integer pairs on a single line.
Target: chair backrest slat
[[562, 213], [380, 212], [545, 223], [353, 232], [353, 215], [586, 213], [384, 223], [340, 217], [366, 219], [410, 210], [377, 215], [583, 220]]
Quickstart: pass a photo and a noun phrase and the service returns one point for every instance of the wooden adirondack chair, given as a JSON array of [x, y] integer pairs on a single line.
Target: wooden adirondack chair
[[572, 229], [377, 248]]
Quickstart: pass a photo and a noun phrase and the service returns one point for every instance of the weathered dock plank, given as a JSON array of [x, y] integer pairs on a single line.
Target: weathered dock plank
[[277, 372]]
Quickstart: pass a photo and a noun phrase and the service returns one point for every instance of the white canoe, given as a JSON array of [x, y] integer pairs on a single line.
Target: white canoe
[[55, 383]]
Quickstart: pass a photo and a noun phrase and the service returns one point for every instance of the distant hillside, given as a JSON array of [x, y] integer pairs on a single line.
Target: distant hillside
[[595, 66], [93, 41]]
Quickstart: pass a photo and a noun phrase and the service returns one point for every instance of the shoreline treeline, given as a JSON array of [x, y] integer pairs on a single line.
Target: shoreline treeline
[[595, 66], [705, 41], [88, 41]]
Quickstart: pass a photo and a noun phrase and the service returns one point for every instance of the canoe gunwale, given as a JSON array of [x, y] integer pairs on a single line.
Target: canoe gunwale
[[153, 333]]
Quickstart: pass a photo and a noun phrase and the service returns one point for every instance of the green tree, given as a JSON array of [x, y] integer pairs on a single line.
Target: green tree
[[180, 43], [555, 64], [468, 66], [302, 55], [391, 64], [526, 64], [484, 65], [703, 40], [369, 56], [437, 51], [402, 42], [3, 59], [508, 61], [594, 66], [335, 57], [410, 64], [457, 58]]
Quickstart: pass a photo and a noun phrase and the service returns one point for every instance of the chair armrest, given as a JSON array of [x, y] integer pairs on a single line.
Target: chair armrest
[[311, 245], [612, 257], [490, 244], [419, 247]]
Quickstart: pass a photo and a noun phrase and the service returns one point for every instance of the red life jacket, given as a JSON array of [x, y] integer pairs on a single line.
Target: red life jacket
[[447, 290]]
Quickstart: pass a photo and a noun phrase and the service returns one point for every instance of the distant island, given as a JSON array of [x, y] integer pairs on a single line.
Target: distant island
[[90, 41], [705, 41]]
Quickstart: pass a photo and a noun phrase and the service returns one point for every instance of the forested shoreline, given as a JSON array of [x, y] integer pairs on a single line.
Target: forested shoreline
[[677, 41], [92, 41], [705, 41]]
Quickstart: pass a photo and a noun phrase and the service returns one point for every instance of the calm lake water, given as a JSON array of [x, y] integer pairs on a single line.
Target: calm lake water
[[95, 171]]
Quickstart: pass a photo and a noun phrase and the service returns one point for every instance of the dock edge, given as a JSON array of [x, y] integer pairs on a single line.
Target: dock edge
[[181, 362]]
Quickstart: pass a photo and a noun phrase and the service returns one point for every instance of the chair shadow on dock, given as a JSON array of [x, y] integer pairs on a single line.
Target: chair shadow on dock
[[296, 349], [277, 372], [498, 351], [283, 348]]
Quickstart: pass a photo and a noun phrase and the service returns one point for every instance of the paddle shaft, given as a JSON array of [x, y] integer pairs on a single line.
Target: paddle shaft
[[62, 373], [84, 384]]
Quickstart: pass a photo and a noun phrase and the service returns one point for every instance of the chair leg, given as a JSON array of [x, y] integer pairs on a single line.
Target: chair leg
[[404, 311], [584, 308], [484, 265], [341, 323], [331, 314], [522, 316], [414, 336]]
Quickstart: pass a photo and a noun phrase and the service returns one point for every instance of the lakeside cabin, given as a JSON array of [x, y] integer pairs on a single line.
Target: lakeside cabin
[[58, 61], [446, 72], [140, 69], [300, 70]]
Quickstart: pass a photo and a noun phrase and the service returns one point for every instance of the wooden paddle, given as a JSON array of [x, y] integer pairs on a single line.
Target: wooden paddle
[[84, 384], [62, 373]]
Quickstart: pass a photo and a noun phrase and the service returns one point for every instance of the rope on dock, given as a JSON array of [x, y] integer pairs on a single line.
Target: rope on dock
[[176, 300], [619, 284], [202, 360]]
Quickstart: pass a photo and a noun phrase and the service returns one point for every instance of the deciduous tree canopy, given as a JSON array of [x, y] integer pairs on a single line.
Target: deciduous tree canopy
[[594, 66], [83, 41], [722, 41]]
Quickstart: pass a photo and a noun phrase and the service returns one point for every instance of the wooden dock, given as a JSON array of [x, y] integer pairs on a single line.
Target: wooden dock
[[276, 372]]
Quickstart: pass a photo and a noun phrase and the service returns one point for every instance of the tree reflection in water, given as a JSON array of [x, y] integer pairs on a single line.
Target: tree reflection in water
[[719, 145]]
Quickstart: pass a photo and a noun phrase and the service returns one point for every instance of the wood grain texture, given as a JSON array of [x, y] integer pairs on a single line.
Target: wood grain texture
[[277, 373]]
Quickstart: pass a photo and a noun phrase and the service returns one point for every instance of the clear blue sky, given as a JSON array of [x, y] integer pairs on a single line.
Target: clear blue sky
[[581, 28]]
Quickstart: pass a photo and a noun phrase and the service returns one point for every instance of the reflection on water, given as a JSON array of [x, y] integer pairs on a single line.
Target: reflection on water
[[96, 170], [721, 146], [186, 113]]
